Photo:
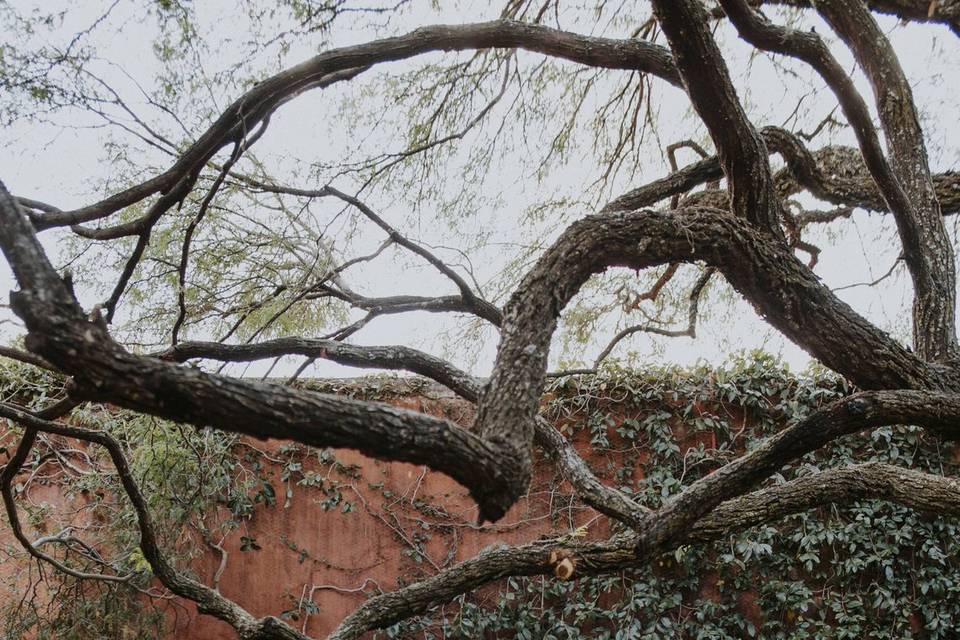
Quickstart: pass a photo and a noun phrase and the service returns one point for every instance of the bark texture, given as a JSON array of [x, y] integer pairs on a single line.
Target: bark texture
[[748, 233]]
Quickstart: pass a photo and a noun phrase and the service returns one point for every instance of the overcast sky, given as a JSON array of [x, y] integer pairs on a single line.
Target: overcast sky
[[58, 162]]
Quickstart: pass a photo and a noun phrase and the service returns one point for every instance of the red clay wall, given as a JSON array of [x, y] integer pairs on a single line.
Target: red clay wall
[[371, 545], [331, 557]]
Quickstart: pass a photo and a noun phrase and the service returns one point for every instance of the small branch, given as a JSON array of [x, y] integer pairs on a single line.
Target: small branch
[[654, 291], [471, 301], [690, 330], [873, 283], [208, 600], [9, 473], [26, 357], [386, 357]]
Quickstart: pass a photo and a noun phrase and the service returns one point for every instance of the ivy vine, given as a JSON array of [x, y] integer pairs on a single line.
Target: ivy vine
[[869, 570]]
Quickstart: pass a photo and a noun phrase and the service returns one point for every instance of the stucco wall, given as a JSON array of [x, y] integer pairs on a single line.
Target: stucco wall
[[404, 522]]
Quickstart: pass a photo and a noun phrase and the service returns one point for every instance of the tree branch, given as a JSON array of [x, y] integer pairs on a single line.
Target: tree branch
[[835, 174], [208, 600], [946, 12], [344, 63], [386, 357], [913, 201], [705, 77], [471, 301], [60, 332], [910, 488], [926, 245], [939, 412], [762, 269], [690, 330], [26, 357]]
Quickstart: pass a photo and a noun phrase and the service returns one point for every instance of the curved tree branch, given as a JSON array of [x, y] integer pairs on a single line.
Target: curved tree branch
[[912, 197], [604, 499], [762, 269], [910, 488], [939, 412], [935, 283], [60, 332], [337, 64]]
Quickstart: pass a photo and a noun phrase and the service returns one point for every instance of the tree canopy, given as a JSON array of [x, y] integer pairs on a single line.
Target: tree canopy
[[497, 171]]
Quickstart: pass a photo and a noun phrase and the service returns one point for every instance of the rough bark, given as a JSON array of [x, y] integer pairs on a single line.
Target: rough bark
[[927, 250], [739, 147], [59, 332]]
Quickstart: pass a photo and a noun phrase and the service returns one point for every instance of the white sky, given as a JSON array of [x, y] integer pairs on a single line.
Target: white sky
[[62, 165]]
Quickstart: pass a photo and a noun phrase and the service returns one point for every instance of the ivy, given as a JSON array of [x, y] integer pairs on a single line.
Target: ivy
[[871, 570]]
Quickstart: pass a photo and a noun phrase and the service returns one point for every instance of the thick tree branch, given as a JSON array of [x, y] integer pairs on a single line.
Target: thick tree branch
[[921, 491], [762, 269], [912, 200], [939, 412], [59, 332], [946, 12], [705, 77], [605, 499], [338, 64], [926, 245]]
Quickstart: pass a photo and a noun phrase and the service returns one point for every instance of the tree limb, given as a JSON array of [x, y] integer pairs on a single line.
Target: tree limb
[[59, 331], [343, 63], [910, 488]]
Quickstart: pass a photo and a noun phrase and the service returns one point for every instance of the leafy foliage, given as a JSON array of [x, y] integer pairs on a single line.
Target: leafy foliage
[[871, 570]]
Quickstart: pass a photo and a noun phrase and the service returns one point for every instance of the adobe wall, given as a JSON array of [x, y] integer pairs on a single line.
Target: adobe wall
[[403, 522]]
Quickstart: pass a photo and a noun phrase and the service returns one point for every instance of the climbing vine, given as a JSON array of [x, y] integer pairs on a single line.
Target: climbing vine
[[870, 570], [867, 570]]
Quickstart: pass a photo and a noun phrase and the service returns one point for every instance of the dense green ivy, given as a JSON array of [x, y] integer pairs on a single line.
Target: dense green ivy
[[871, 570]]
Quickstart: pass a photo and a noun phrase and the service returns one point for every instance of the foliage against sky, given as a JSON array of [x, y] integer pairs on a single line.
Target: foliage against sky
[[484, 156], [202, 193]]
